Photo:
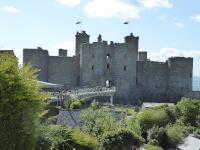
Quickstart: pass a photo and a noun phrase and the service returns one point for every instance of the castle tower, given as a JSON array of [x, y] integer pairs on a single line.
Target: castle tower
[[180, 76], [131, 43], [81, 38]]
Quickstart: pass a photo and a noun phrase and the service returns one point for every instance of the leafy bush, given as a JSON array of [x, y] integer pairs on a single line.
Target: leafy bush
[[132, 124], [172, 113], [190, 111], [74, 103], [157, 136], [97, 122], [53, 137], [119, 140], [83, 141], [49, 111], [150, 117], [169, 136], [51, 120], [94, 104], [153, 147], [175, 134]]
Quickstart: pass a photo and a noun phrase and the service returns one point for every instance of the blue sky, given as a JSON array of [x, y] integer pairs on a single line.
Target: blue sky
[[165, 27]]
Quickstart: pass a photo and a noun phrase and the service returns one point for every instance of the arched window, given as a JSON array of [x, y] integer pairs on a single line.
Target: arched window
[[92, 67]]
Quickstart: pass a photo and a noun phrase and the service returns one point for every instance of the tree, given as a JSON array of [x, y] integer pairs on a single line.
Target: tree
[[97, 122], [54, 137], [157, 136], [189, 111], [153, 117], [120, 140], [20, 104]]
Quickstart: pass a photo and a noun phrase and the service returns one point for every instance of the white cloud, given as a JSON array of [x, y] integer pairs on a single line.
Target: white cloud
[[11, 9], [179, 24], [196, 17], [121, 9], [70, 3], [165, 53], [111, 8], [156, 3], [69, 45]]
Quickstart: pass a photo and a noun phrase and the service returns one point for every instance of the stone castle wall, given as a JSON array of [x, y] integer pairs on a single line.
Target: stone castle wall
[[38, 58], [53, 69], [134, 76], [152, 80]]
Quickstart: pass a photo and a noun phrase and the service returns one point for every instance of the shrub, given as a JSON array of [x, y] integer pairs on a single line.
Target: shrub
[[169, 136], [94, 104], [157, 136], [150, 117], [49, 111], [74, 103], [119, 140], [51, 120], [53, 137], [153, 147], [83, 141], [175, 134], [172, 113], [97, 122], [190, 111], [134, 125]]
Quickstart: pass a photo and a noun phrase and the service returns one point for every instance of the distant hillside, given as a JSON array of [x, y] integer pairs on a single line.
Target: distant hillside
[[196, 83]]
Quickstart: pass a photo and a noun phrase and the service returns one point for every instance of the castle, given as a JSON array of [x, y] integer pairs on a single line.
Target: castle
[[134, 76]]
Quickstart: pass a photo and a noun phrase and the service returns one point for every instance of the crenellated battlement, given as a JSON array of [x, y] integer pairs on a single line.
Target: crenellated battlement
[[131, 72]]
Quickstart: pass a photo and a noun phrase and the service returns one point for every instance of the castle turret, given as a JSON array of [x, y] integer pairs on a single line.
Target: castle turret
[[81, 38]]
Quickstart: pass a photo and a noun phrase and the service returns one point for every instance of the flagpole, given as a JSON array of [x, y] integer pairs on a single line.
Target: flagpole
[[79, 23], [129, 27]]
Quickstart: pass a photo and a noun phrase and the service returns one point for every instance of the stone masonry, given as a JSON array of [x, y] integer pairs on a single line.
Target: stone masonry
[[134, 76]]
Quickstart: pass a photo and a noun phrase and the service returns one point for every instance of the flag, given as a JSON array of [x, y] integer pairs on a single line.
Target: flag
[[126, 22], [79, 22]]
